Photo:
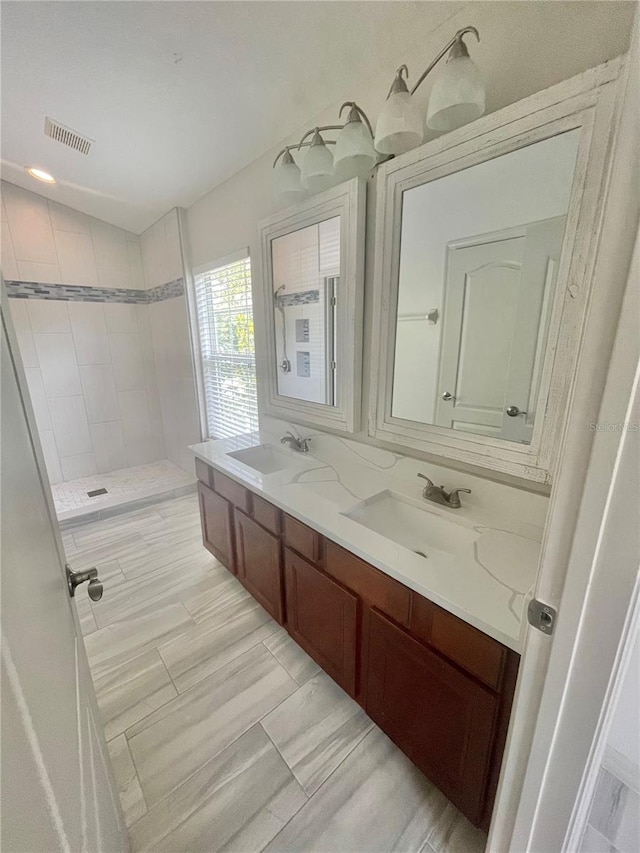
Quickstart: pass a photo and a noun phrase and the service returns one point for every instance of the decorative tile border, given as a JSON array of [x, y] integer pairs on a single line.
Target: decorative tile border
[[305, 297], [79, 293]]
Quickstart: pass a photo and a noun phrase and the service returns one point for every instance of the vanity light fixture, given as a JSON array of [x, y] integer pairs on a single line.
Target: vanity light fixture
[[457, 97], [40, 175], [354, 156]]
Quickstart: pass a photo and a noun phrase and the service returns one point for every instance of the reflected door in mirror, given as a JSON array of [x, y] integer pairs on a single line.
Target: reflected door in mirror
[[491, 352], [479, 256], [306, 290]]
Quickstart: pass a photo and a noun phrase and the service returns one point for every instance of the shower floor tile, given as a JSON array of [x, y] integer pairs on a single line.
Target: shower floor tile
[[123, 487]]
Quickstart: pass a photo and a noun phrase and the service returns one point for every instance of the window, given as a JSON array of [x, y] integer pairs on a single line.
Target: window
[[225, 322]]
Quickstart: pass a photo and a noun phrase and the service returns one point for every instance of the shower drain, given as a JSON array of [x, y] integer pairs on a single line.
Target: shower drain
[[96, 492]]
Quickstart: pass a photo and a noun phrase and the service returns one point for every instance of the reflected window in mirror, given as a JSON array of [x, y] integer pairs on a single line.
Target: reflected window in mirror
[[479, 257], [306, 292]]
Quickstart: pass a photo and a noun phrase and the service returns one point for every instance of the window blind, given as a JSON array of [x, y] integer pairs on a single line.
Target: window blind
[[227, 350]]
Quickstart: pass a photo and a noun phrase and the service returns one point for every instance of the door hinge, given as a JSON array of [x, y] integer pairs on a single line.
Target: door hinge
[[542, 616], [333, 301]]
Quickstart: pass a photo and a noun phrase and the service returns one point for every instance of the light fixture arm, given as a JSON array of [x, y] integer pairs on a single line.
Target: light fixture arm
[[315, 130], [457, 39], [358, 112], [287, 152]]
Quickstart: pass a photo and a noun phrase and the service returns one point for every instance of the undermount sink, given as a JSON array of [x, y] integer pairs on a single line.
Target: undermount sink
[[407, 523], [266, 458]]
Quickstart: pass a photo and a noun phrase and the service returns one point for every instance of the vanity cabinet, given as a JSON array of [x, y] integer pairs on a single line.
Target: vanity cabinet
[[259, 565], [440, 717], [322, 618], [216, 519], [440, 688]]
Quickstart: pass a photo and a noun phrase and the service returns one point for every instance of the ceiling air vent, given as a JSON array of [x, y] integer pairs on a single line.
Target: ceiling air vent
[[67, 136]]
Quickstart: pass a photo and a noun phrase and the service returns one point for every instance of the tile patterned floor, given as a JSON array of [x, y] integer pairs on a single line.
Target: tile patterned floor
[[129, 484], [222, 732]]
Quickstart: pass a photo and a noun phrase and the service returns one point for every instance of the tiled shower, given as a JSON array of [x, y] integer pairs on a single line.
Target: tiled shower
[[101, 320]]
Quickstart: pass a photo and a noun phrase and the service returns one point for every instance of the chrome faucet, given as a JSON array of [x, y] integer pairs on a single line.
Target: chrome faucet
[[299, 444], [438, 495]]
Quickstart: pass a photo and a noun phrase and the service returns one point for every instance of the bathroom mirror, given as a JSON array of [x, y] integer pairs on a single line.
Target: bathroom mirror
[[479, 255], [481, 284], [312, 258]]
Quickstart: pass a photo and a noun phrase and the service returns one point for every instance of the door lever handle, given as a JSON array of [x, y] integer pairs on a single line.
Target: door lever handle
[[514, 411], [74, 579], [447, 396]]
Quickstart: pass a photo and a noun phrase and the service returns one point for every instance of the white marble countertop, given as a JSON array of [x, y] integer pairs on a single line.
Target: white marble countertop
[[488, 584]]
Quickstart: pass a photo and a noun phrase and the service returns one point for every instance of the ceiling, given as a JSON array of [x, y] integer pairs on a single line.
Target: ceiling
[[178, 96]]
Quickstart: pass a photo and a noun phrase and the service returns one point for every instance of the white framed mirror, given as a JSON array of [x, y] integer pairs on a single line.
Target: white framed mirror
[[312, 297], [484, 241]]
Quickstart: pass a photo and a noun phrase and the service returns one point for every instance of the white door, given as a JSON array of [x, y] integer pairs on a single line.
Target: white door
[[57, 792], [498, 292]]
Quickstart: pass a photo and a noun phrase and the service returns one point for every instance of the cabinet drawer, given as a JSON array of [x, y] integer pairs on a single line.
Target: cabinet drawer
[[480, 655], [232, 491], [374, 587], [441, 718], [266, 514], [303, 539], [322, 618], [204, 473]]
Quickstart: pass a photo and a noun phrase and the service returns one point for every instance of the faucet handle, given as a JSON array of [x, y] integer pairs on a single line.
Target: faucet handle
[[453, 494], [424, 477]]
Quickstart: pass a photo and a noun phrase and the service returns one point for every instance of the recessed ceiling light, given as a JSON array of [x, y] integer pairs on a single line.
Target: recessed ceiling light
[[41, 176]]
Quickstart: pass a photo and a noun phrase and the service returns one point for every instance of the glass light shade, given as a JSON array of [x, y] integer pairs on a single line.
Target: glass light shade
[[317, 169], [457, 96], [286, 181], [354, 153], [400, 126]]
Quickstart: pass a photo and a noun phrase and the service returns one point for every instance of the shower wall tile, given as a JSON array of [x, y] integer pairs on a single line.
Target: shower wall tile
[[108, 443], [48, 317], [89, 333], [51, 458], [56, 244], [76, 258], [38, 397], [65, 218], [121, 318], [70, 425], [112, 259], [126, 359], [36, 271], [57, 359], [30, 226], [99, 391], [8, 263], [137, 429], [92, 369], [176, 382], [24, 333], [80, 465]]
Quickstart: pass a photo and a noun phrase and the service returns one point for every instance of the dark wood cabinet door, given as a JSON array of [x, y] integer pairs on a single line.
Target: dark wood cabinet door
[[442, 719], [322, 618], [216, 518], [259, 565]]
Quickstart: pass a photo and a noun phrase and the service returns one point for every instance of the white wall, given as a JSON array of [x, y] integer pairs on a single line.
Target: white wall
[[524, 49], [525, 186]]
